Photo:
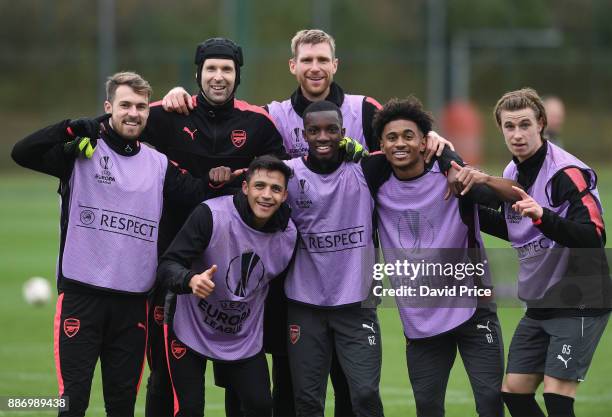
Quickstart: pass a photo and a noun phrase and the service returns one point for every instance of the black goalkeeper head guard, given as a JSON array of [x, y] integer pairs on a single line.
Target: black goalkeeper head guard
[[218, 48]]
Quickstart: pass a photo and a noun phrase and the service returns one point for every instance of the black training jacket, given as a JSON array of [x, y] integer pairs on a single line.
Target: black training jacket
[[228, 135]]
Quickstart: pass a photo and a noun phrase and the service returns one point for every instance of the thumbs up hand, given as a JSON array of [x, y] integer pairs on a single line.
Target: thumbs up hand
[[202, 284], [527, 206]]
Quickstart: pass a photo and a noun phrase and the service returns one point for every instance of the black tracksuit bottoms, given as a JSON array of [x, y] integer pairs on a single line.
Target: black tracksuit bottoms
[[104, 325], [355, 334]]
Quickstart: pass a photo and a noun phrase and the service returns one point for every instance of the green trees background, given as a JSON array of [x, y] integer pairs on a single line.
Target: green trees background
[[49, 54]]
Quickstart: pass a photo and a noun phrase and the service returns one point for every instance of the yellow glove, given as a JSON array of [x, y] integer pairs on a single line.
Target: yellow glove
[[81, 147], [353, 150]]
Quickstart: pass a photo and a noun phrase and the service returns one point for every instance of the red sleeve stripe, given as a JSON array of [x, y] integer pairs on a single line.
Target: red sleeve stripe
[[577, 178], [588, 200], [181, 170], [373, 102], [244, 106]]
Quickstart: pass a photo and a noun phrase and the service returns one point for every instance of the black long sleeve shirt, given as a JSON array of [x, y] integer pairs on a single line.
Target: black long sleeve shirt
[[43, 151], [174, 269], [230, 135], [582, 227]]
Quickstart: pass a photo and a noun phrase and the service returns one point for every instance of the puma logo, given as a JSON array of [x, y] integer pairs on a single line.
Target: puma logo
[[189, 132], [481, 326], [563, 360], [365, 326]]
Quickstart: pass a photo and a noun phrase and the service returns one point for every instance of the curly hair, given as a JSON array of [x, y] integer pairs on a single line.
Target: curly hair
[[409, 108]]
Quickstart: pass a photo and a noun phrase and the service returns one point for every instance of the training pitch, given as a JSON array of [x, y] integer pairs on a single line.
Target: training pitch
[[29, 226]]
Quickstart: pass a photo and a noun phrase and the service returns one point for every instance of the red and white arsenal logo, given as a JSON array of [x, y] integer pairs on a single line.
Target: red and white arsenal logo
[[158, 315], [178, 349], [71, 326], [294, 333], [239, 138]]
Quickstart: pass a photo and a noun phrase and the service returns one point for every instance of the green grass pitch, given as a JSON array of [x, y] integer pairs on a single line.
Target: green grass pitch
[[29, 210]]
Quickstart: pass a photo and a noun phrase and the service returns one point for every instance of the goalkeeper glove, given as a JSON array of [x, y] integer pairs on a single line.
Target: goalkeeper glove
[[353, 150], [86, 132]]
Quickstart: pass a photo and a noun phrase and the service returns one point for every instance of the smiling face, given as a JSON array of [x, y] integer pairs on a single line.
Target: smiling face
[[522, 132], [403, 144], [129, 112], [314, 67], [218, 80], [265, 191], [323, 132]]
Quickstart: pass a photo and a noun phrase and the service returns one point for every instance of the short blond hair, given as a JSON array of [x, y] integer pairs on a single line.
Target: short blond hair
[[525, 98], [132, 80], [312, 37]]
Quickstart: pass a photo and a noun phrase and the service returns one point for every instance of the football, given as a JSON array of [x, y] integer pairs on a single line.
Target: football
[[37, 291]]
